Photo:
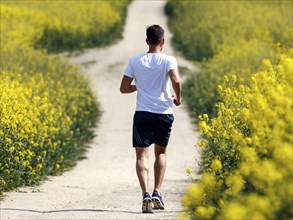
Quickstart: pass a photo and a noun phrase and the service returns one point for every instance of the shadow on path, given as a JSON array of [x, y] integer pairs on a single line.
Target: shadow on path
[[67, 210], [75, 210]]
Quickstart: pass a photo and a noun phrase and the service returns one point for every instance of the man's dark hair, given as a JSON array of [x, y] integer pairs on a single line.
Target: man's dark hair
[[155, 34]]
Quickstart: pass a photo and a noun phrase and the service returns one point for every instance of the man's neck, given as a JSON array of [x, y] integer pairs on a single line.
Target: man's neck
[[156, 49]]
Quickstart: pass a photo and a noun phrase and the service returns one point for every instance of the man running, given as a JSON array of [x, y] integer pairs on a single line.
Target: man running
[[153, 118]]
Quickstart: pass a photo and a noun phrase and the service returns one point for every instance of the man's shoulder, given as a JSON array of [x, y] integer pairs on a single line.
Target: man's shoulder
[[136, 57], [167, 57]]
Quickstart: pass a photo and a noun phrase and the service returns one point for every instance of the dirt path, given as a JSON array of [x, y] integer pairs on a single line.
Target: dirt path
[[104, 185]]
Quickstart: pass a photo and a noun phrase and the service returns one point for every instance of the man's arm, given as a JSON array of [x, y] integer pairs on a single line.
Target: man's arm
[[176, 84], [126, 86]]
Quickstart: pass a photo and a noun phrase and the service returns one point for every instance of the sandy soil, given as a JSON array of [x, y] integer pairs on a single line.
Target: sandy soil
[[104, 185]]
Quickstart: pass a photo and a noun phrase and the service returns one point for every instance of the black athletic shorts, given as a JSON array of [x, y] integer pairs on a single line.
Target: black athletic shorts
[[149, 128]]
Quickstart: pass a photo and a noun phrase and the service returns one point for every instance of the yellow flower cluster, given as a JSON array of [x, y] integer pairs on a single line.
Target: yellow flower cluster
[[60, 25], [41, 124], [210, 26], [247, 149]]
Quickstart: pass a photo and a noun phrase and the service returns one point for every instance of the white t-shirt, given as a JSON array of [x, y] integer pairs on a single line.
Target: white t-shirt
[[150, 72]]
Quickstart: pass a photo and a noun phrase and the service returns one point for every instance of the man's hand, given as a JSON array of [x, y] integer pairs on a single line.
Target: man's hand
[[176, 101], [176, 84]]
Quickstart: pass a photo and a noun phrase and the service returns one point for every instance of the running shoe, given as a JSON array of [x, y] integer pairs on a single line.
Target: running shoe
[[147, 205], [157, 199]]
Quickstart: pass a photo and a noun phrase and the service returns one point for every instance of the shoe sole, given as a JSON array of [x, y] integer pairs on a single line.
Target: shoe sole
[[157, 203], [147, 206]]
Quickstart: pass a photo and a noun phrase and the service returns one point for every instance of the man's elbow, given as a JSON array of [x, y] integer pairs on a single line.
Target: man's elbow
[[125, 89], [176, 82]]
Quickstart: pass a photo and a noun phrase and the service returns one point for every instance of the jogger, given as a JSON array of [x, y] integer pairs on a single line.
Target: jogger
[[152, 122]]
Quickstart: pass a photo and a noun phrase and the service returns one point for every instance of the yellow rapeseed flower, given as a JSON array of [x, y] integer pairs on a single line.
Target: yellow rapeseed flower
[[57, 166], [216, 165], [39, 166], [11, 149], [235, 184], [189, 171], [25, 163], [2, 183], [16, 159]]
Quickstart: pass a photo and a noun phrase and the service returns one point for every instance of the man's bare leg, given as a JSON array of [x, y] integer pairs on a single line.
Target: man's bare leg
[[142, 170], [159, 166]]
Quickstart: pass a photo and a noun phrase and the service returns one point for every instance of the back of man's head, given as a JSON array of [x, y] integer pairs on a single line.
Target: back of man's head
[[155, 34]]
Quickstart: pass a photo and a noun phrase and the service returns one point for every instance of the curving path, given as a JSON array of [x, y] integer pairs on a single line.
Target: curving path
[[104, 185]]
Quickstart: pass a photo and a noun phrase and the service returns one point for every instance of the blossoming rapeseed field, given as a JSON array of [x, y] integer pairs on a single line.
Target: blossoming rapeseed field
[[63, 25], [247, 149], [46, 106], [246, 121], [226, 37]]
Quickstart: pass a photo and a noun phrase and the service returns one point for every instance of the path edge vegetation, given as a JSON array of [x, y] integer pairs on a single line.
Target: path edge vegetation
[[48, 111], [241, 98]]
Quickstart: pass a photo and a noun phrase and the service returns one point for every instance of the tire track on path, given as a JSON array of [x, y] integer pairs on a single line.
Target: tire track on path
[[104, 185]]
